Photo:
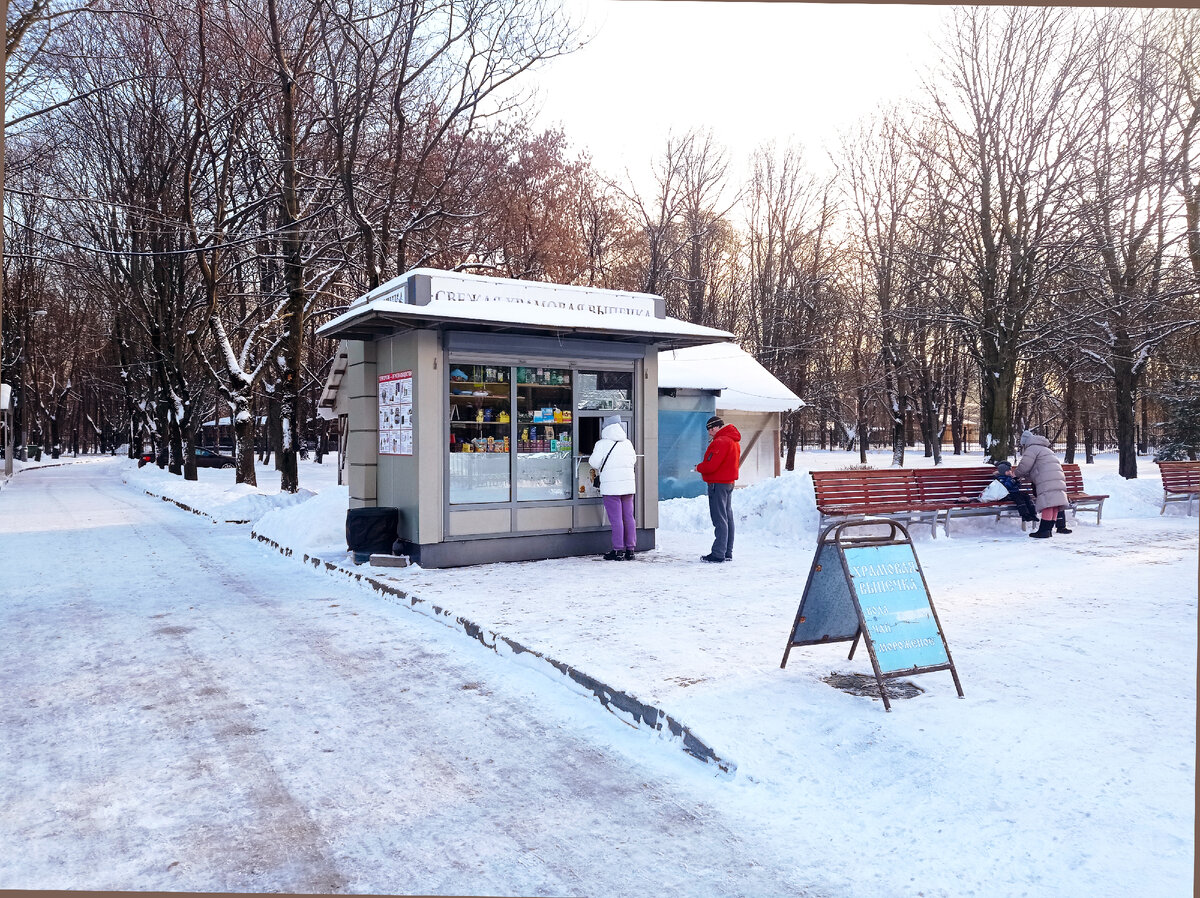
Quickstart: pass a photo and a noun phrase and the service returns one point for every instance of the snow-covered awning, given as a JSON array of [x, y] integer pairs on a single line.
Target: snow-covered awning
[[425, 298], [742, 382]]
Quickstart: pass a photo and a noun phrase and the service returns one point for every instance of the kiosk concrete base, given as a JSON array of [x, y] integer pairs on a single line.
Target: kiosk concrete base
[[459, 553]]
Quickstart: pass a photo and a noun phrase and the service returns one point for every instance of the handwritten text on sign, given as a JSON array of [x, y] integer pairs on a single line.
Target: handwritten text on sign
[[895, 607]]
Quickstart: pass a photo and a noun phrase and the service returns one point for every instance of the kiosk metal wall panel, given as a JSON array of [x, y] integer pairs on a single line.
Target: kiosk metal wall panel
[[646, 501], [480, 522], [556, 517]]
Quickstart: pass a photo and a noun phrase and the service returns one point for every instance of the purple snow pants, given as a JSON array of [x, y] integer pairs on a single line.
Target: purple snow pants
[[620, 514]]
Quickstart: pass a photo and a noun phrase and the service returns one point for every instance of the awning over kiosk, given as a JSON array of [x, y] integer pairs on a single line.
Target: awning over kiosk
[[425, 298]]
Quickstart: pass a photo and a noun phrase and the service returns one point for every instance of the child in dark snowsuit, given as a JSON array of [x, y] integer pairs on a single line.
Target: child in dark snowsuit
[[1021, 500]]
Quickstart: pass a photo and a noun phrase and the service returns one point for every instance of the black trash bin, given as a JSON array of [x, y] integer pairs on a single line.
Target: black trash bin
[[371, 531]]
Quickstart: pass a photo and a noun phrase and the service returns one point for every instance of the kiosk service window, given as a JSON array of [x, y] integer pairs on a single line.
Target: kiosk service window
[[513, 430]]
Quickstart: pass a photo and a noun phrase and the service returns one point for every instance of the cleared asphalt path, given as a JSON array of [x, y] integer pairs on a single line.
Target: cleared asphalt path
[[181, 708]]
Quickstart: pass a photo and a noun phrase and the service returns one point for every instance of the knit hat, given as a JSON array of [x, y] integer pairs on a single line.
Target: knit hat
[[1003, 467], [1027, 437], [611, 419], [714, 421]]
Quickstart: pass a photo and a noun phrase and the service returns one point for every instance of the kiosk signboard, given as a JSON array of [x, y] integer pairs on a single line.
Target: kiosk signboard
[[871, 586]]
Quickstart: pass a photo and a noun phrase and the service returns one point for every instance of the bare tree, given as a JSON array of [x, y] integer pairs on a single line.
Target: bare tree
[[880, 178], [406, 88], [18, 80], [1008, 129], [703, 210], [789, 303], [1137, 294]]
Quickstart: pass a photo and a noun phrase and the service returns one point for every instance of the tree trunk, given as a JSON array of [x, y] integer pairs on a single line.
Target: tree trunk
[[995, 413], [188, 436], [1125, 384], [176, 441], [1070, 412], [861, 425], [1143, 442], [243, 437], [293, 265]]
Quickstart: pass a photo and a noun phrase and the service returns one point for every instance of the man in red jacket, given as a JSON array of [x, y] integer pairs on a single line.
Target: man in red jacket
[[720, 471]]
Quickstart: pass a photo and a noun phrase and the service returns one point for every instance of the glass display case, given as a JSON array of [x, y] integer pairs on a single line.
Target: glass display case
[[514, 431], [480, 433], [545, 433]]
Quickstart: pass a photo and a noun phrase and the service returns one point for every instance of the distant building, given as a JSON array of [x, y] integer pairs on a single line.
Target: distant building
[[697, 382]]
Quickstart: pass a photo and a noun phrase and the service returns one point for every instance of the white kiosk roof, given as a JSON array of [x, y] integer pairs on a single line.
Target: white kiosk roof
[[744, 384], [427, 297]]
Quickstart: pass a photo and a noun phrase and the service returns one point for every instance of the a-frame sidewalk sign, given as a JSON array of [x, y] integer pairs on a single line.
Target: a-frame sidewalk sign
[[869, 585]]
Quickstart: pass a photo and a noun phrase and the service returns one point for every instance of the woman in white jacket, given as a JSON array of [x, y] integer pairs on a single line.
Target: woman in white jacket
[[614, 457]]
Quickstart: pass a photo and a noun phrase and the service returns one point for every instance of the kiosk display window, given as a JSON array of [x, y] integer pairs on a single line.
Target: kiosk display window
[[514, 430], [605, 390], [544, 433], [480, 434]]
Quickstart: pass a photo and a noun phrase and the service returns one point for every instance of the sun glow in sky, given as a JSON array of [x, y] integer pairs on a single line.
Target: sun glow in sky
[[750, 71]]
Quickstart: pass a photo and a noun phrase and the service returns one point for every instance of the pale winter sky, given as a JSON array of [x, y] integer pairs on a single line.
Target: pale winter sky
[[749, 71]]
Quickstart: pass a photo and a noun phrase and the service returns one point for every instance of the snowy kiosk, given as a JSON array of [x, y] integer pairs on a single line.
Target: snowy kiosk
[[473, 403]]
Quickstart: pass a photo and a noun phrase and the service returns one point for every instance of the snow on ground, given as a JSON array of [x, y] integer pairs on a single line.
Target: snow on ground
[[1067, 769]]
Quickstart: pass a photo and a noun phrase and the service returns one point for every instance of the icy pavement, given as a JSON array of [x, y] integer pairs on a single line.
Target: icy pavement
[[184, 709], [1073, 748]]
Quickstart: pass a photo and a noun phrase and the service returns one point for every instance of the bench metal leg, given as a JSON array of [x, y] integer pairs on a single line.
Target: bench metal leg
[[1189, 498]]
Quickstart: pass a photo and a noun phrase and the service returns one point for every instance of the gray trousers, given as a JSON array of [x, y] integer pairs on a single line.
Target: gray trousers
[[720, 509]]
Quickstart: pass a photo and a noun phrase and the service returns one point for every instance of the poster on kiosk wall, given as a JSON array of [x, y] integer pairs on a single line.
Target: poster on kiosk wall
[[396, 413]]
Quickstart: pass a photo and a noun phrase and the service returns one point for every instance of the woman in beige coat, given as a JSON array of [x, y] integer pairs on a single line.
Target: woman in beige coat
[[1041, 467]]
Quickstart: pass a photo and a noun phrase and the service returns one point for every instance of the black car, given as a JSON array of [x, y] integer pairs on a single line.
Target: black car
[[206, 458]]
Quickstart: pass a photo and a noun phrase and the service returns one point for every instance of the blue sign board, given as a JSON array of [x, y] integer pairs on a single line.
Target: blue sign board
[[871, 587], [895, 607]]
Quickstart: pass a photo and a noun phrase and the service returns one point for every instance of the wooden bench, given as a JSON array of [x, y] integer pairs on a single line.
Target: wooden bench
[[957, 491], [1079, 498], [1181, 483], [924, 495], [859, 494]]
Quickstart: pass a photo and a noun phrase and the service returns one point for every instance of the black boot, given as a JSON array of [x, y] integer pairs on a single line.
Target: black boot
[[629, 554], [1044, 530], [1061, 524], [614, 555]]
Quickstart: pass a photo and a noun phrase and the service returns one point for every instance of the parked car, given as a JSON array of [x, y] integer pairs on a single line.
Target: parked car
[[206, 458]]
